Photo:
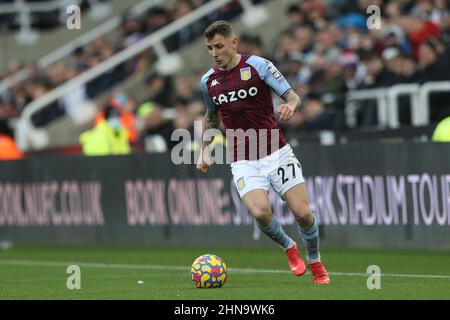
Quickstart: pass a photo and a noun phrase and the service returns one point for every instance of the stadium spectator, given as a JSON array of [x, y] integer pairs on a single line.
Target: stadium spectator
[[154, 127], [286, 45], [354, 72], [108, 137], [316, 117], [351, 21], [313, 116], [395, 63], [185, 35], [296, 70], [439, 11], [408, 70], [434, 65], [445, 30], [159, 89], [315, 13], [8, 148], [79, 59], [418, 31], [332, 88], [164, 103], [250, 45], [7, 107], [304, 38], [377, 75], [394, 36], [131, 30], [392, 59], [156, 19], [77, 96], [295, 16], [184, 90], [150, 118], [127, 108], [35, 90]]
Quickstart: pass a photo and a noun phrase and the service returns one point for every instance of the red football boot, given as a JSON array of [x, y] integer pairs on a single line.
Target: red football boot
[[295, 261], [319, 273]]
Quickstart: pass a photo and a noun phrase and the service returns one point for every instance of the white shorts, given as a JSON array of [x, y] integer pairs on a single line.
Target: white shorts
[[280, 169]]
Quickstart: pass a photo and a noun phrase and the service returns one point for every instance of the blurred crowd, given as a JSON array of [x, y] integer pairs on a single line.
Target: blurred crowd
[[329, 50], [141, 117], [132, 29], [326, 51], [171, 103]]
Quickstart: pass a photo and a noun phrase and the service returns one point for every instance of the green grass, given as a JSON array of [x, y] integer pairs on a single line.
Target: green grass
[[40, 273]]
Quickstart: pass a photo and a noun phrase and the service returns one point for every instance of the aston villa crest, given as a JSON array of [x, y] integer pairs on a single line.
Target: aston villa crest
[[246, 73]]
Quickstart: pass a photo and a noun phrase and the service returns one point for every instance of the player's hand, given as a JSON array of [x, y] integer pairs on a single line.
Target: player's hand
[[286, 112], [204, 161]]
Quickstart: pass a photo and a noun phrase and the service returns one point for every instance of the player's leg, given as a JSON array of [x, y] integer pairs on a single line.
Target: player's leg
[[297, 201], [253, 189], [288, 181], [257, 203]]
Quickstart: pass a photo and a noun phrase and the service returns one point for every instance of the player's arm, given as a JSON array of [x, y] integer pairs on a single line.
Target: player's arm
[[275, 80], [211, 121], [286, 110]]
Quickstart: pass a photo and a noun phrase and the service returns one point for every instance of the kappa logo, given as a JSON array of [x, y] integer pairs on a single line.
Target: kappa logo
[[214, 83]]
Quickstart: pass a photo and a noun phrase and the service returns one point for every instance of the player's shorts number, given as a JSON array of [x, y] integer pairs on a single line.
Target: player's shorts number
[[281, 171]]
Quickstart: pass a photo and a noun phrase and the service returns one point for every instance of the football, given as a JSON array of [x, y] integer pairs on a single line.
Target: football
[[209, 271]]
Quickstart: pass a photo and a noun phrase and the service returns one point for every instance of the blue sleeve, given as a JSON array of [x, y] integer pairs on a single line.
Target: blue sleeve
[[269, 74], [210, 106]]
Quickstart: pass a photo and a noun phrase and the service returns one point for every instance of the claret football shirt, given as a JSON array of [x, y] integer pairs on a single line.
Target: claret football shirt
[[243, 96]]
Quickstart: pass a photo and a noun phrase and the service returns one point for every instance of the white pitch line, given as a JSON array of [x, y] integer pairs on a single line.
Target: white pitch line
[[35, 263]]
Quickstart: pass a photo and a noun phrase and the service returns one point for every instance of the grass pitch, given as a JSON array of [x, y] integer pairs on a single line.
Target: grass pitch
[[254, 273]]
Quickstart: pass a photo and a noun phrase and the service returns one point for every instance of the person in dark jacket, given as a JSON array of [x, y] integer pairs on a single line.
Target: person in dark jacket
[[434, 65]]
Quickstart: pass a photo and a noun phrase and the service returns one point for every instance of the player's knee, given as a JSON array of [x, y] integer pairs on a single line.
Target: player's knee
[[302, 213], [261, 213]]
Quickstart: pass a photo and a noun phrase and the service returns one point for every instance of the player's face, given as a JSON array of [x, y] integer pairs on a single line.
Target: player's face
[[222, 49]]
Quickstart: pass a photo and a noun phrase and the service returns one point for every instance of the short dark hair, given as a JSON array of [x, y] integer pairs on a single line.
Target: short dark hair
[[221, 27], [293, 8], [433, 43], [368, 56], [110, 111]]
